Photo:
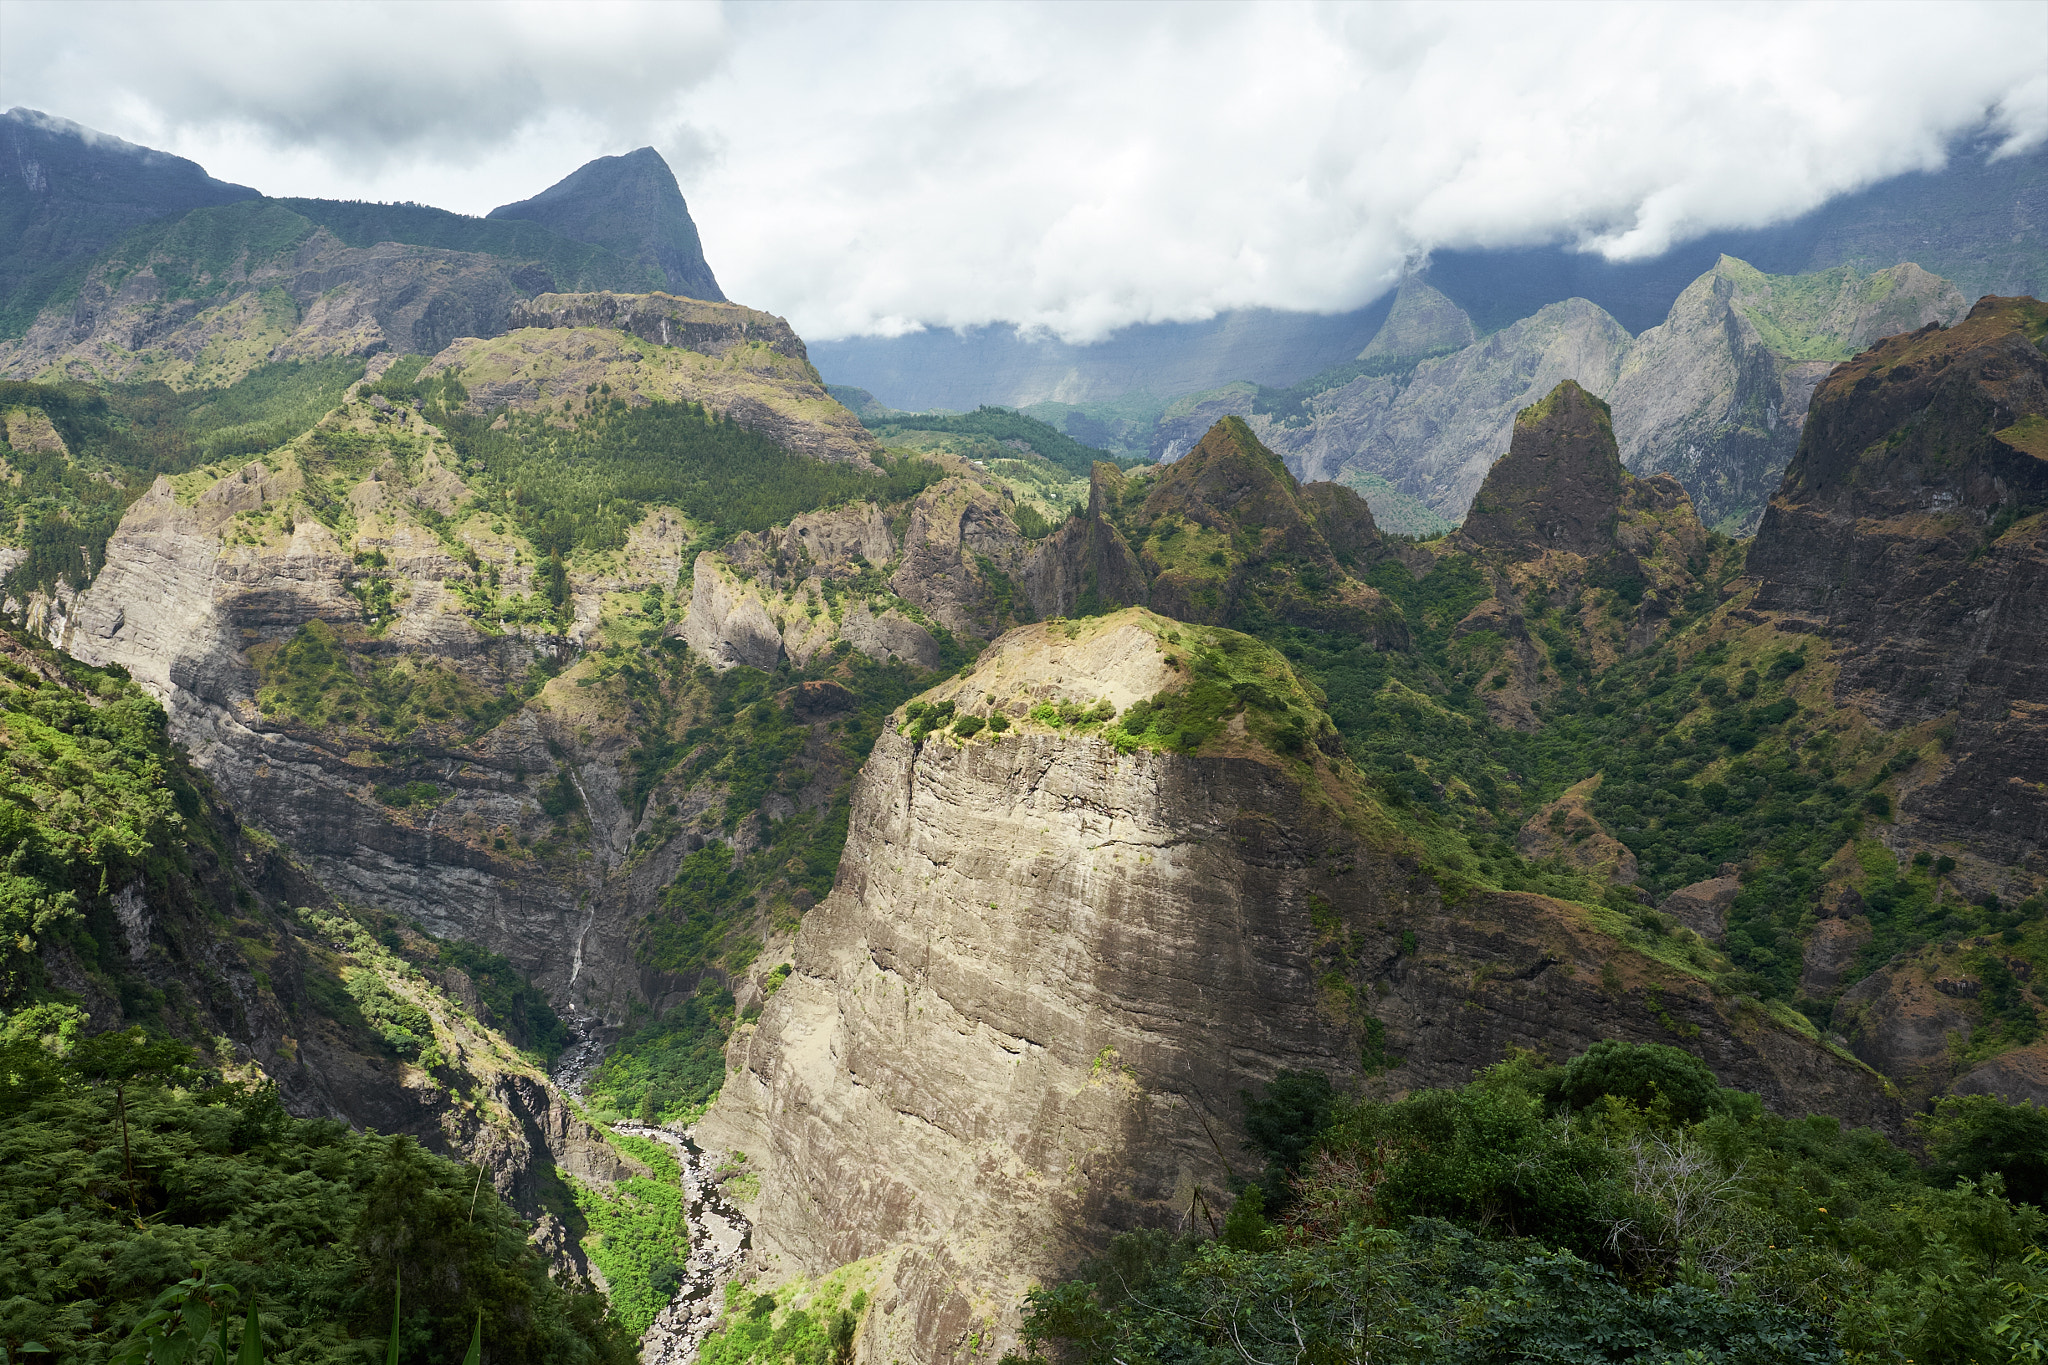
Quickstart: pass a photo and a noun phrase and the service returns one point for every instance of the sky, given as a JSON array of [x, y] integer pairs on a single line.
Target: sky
[[1069, 169]]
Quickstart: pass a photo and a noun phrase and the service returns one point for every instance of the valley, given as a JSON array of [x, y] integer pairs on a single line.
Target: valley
[[855, 883]]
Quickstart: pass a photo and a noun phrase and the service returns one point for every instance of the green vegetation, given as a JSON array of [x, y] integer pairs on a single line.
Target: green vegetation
[[582, 489], [670, 1070], [91, 797], [1622, 1207], [1395, 512], [325, 678], [770, 1329], [511, 1003], [639, 1233], [118, 441], [1002, 425], [121, 1168], [568, 266]]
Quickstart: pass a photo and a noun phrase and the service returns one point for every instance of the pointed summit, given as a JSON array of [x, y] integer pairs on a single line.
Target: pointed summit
[[1560, 483], [1422, 322], [630, 205]]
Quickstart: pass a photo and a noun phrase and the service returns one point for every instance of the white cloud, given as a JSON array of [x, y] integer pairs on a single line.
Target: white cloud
[[1069, 168]]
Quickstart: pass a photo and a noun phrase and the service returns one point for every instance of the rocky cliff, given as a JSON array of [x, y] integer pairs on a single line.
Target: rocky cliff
[[1224, 535], [1714, 396], [1910, 534], [1055, 955]]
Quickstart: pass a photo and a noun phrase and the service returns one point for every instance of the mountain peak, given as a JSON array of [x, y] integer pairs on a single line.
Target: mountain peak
[[630, 205], [1422, 322], [1560, 483], [68, 191]]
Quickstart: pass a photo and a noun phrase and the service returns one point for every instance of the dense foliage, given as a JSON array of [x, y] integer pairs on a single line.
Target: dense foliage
[[91, 797], [1619, 1208], [1706, 759], [583, 488], [116, 441], [1002, 425], [121, 1168]]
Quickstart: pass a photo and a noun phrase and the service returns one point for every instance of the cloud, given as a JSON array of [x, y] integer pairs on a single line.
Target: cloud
[[1070, 169]]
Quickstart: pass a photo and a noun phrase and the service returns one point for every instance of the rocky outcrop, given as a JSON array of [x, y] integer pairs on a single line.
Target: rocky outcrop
[[1910, 535], [1716, 395], [1222, 535], [1021, 1021], [707, 327], [1422, 322], [1433, 433], [1566, 830], [1087, 563], [1559, 485], [1703, 906]]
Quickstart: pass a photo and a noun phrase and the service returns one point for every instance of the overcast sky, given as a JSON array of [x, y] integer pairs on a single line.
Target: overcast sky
[[1070, 168]]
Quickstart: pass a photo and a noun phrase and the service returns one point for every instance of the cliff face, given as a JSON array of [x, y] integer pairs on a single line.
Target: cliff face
[[1714, 396], [1021, 1021], [632, 206], [1910, 534]]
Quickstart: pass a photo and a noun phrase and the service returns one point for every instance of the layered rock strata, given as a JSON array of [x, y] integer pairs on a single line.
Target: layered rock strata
[[1022, 1020]]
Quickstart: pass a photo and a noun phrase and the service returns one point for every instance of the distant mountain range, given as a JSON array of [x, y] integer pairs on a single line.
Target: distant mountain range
[[1978, 223]]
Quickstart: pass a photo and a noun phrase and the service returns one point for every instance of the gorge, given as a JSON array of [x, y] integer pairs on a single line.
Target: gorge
[[575, 727]]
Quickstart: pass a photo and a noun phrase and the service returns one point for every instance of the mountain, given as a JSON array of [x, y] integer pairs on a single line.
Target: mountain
[[586, 729], [631, 206], [70, 193], [1976, 222], [1715, 395]]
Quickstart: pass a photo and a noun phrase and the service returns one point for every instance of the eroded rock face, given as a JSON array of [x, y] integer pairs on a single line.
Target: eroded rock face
[[1559, 484], [1898, 537], [1717, 394], [741, 364], [692, 324], [1703, 906], [1021, 1020]]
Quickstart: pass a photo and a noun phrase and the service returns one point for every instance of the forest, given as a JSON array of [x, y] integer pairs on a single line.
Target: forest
[[1619, 1207]]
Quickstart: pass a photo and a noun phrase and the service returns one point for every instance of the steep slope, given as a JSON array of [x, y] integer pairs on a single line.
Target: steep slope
[[1224, 535], [1434, 432], [1421, 323], [1909, 534], [1714, 396], [744, 365], [631, 206], [70, 193], [1056, 953], [136, 896], [203, 299]]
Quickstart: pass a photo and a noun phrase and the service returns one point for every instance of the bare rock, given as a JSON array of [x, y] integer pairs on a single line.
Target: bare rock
[[2017, 1077], [1019, 1023], [1703, 906], [1830, 955]]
